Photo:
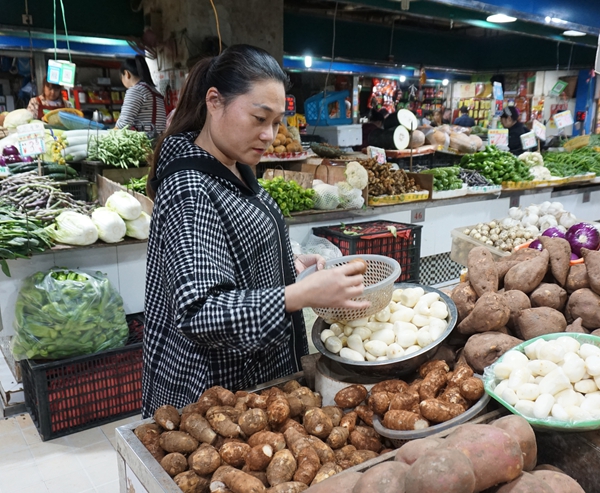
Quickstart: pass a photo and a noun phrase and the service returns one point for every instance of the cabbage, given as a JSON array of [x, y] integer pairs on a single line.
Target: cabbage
[[139, 228], [111, 228], [17, 117], [72, 228], [127, 206]]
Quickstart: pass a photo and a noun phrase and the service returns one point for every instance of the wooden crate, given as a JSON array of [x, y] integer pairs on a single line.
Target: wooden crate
[[107, 187]]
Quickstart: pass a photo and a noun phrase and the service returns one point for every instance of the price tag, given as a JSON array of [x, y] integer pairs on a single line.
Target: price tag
[[539, 129], [558, 88], [528, 140], [376, 153], [417, 216], [61, 72], [563, 119], [498, 137], [31, 139]]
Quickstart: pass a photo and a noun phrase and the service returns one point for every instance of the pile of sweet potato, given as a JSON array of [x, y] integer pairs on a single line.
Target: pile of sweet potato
[[524, 295], [281, 439], [499, 457]]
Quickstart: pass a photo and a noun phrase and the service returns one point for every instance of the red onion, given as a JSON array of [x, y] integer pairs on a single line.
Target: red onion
[[535, 244], [583, 235], [10, 151], [553, 232], [574, 257]]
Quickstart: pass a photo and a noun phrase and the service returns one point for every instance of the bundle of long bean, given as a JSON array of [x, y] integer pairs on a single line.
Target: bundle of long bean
[[20, 236], [40, 196]]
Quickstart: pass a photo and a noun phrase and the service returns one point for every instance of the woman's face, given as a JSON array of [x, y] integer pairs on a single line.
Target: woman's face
[[507, 121], [244, 128], [51, 92], [437, 117]]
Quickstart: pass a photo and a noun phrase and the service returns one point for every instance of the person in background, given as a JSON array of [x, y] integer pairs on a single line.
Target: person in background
[[375, 122], [143, 104], [51, 99], [464, 120], [222, 303], [510, 120], [437, 120]]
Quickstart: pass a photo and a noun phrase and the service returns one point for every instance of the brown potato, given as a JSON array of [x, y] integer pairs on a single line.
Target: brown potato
[[338, 437], [365, 414], [275, 440], [259, 457], [281, 468], [308, 466], [234, 453], [198, 427], [438, 411], [535, 322], [404, 420], [349, 421], [190, 482], [379, 402], [324, 451], [326, 471], [472, 389], [391, 386], [335, 413]]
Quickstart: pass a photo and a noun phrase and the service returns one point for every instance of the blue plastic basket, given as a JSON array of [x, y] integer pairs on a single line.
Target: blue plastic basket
[[74, 122], [318, 107]]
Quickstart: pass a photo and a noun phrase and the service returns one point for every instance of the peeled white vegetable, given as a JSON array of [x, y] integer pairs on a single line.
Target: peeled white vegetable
[[424, 337], [406, 338], [526, 408], [591, 403], [333, 344], [326, 334], [344, 339], [586, 386], [396, 295], [574, 370], [370, 357], [355, 343], [502, 371], [412, 349], [518, 378], [336, 328], [543, 406], [570, 344], [531, 349], [540, 367], [500, 387], [376, 326], [568, 397], [554, 382], [420, 320], [383, 315], [552, 352], [382, 358], [528, 392], [351, 354], [515, 359], [429, 298], [348, 331], [586, 350], [400, 326], [394, 351], [410, 297], [592, 365], [385, 335], [361, 322], [559, 413], [438, 309], [376, 348], [510, 396], [362, 332], [402, 314], [421, 308], [436, 331]]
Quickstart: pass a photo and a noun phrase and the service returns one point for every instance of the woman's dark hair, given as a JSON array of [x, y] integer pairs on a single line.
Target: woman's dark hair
[[232, 73], [138, 68]]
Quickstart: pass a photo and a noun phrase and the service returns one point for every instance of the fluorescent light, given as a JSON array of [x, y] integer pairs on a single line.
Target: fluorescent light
[[445, 82], [308, 61], [573, 33], [501, 18], [548, 19], [402, 78], [556, 20]]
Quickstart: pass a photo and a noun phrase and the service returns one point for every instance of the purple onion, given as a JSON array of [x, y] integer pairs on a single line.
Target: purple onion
[[574, 257], [553, 232], [10, 151], [583, 235], [12, 159], [2, 161], [27, 159], [535, 244]]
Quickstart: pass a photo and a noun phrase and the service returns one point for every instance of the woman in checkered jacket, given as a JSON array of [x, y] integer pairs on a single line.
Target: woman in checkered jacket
[[222, 305]]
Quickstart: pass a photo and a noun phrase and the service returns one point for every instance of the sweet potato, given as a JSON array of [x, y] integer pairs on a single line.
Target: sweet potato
[[338, 437], [472, 389], [174, 463], [548, 467], [240, 482], [412, 450], [482, 350], [526, 483], [282, 467], [516, 301], [205, 460], [482, 271], [386, 477], [325, 472], [198, 427], [535, 322], [591, 259], [560, 257], [490, 313], [253, 421], [340, 483], [234, 453], [577, 327], [308, 466], [464, 297], [595, 332], [550, 295], [275, 440], [167, 417], [502, 268], [444, 470], [559, 482], [577, 278], [585, 304], [391, 386], [350, 396], [526, 276], [520, 255], [522, 432], [324, 451], [190, 482], [317, 423], [335, 413], [178, 441], [495, 455], [288, 487], [404, 421]]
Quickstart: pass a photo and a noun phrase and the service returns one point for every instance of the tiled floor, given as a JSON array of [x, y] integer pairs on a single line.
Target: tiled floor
[[84, 462]]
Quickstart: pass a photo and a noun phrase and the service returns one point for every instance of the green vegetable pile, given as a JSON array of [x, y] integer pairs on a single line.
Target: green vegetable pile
[[497, 166], [445, 178], [121, 148], [62, 313], [290, 196], [577, 162], [20, 236], [137, 184]]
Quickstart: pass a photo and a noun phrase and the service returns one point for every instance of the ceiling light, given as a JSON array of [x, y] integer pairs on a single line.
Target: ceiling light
[[556, 20], [445, 82], [402, 78], [501, 18], [308, 61], [573, 33]]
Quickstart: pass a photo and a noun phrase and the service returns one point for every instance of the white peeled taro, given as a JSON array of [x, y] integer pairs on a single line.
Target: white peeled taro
[[396, 295], [554, 382], [591, 403], [574, 369], [394, 351], [382, 358], [361, 322], [519, 377], [344, 339], [420, 320], [500, 387], [543, 406], [326, 334], [348, 330], [384, 315], [515, 359], [424, 337], [402, 314], [586, 386], [552, 352], [351, 354], [502, 371], [411, 296], [575, 413], [570, 344], [370, 357], [376, 348], [401, 326], [333, 344], [592, 365], [355, 343], [376, 326], [429, 298], [538, 379], [526, 408], [421, 308], [528, 392], [412, 349], [510, 396], [568, 397], [362, 332], [438, 309], [393, 306], [587, 350], [385, 335], [531, 349], [406, 338], [540, 367], [336, 328], [435, 330], [559, 413]]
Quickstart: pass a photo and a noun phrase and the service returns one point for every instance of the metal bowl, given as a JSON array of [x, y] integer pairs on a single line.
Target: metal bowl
[[391, 368]]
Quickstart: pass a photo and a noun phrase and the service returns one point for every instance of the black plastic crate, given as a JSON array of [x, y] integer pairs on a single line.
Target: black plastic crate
[[441, 159], [377, 238], [91, 169], [77, 188], [75, 394]]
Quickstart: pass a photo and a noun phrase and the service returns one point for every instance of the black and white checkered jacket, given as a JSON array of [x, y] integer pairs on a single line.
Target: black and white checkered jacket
[[218, 259]]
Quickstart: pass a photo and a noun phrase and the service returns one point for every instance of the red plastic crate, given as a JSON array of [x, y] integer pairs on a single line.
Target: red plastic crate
[[378, 238]]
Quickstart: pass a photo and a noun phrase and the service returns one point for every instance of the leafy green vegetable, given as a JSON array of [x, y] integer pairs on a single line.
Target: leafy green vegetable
[[577, 162], [497, 166], [290, 196], [137, 184], [121, 148], [62, 313]]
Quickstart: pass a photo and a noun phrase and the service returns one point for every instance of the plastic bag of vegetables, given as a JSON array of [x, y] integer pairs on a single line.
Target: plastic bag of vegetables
[[62, 313]]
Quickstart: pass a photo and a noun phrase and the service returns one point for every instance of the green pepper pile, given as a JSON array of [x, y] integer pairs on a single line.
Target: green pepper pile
[[445, 178], [496, 165], [290, 196], [62, 313], [577, 162]]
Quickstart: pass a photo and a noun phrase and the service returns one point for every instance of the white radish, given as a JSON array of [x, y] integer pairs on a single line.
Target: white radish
[[376, 348], [438, 309], [420, 320], [396, 295], [586, 386], [510, 396], [385, 335], [543, 406], [333, 344], [326, 334], [362, 332], [587, 350], [384, 315], [526, 408], [412, 349], [351, 354], [555, 382], [528, 392], [406, 338], [410, 297], [519, 377], [355, 343], [424, 337], [592, 365], [402, 314], [540, 367], [394, 351]]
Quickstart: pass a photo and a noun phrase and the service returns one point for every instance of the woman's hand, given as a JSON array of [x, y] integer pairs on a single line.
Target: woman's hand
[[331, 288], [303, 262]]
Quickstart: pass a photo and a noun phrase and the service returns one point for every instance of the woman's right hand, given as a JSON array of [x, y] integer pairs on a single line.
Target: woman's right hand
[[328, 288]]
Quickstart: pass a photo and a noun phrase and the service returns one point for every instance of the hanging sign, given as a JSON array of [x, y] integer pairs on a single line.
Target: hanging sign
[[31, 139], [558, 88], [539, 129], [528, 140], [498, 137], [563, 119], [61, 72]]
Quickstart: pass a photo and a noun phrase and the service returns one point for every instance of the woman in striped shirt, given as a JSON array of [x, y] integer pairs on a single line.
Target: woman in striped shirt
[[143, 105]]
